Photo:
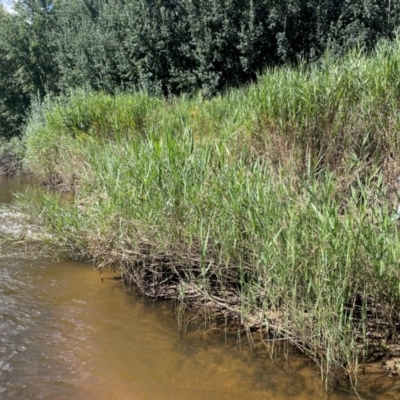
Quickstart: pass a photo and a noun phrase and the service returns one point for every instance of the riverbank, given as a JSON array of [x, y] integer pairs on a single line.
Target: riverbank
[[272, 205], [85, 329], [8, 164], [11, 155]]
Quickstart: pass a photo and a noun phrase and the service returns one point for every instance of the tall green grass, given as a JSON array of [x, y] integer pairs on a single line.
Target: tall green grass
[[279, 195]]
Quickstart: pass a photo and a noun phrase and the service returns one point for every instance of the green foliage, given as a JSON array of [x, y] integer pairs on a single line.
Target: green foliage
[[234, 191], [338, 113], [195, 193], [27, 66], [170, 47]]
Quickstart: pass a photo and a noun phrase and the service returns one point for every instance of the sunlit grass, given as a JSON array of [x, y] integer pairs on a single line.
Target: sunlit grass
[[282, 193]]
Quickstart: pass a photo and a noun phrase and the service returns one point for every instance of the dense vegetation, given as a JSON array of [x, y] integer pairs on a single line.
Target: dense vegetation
[[273, 202], [169, 47]]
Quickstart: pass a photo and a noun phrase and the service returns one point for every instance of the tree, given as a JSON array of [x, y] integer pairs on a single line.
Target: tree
[[27, 66], [168, 47]]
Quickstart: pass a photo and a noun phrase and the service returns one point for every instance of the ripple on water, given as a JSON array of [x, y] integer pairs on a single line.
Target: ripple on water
[[15, 224]]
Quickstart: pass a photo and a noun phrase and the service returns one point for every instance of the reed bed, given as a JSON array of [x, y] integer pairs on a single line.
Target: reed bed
[[274, 203]]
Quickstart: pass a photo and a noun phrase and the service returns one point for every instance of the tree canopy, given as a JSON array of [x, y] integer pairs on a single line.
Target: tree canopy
[[169, 47]]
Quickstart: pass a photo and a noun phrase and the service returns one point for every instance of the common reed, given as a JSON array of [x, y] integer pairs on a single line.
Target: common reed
[[275, 201]]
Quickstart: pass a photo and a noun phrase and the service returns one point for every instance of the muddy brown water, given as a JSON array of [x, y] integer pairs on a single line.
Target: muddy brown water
[[65, 334]]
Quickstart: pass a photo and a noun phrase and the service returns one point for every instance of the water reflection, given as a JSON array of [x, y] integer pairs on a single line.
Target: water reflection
[[9, 185]]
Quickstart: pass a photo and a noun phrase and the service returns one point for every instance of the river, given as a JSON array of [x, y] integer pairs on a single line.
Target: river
[[67, 334]]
